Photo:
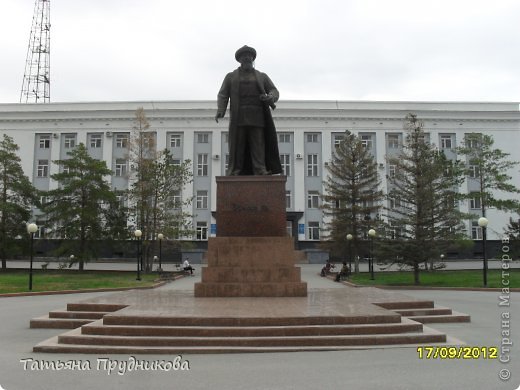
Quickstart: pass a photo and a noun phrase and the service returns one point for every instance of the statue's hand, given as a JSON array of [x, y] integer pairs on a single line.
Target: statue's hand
[[219, 115], [267, 97]]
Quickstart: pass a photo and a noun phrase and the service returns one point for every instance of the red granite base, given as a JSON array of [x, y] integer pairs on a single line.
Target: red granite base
[[252, 256], [251, 206], [250, 267]]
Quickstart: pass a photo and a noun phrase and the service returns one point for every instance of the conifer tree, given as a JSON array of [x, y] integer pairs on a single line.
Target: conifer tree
[[423, 215], [17, 195], [76, 208], [490, 169], [352, 195]]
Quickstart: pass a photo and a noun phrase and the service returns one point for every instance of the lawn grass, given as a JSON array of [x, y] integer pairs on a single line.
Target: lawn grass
[[463, 278], [16, 281]]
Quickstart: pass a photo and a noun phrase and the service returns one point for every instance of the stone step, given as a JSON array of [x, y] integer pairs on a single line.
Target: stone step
[[163, 320], [76, 315], [418, 304], [98, 328], [87, 306], [75, 337], [90, 315], [424, 312], [431, 319], [45, 322], [52, 346]]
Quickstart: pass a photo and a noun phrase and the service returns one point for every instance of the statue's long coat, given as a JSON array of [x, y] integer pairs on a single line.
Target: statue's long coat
[[230, 92]]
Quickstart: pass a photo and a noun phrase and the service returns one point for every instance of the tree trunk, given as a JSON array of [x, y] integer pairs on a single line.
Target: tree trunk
[[416, 271]]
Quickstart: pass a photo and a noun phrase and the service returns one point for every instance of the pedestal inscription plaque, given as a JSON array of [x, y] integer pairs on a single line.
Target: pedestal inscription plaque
[[251, 206]]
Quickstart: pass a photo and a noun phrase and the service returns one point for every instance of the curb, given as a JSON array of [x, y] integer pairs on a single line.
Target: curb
[[87, 290], [385, 287]]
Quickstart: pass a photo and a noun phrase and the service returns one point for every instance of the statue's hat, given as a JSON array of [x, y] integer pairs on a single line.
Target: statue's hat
[[245, 49]]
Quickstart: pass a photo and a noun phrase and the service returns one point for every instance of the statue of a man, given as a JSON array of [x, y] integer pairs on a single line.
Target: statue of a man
[[253, 145]]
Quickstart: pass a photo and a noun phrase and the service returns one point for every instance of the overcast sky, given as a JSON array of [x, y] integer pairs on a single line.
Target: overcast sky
[[105, 50]]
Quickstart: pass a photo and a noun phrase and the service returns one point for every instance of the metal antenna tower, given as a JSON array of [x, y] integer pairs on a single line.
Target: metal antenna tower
[[36, 79]]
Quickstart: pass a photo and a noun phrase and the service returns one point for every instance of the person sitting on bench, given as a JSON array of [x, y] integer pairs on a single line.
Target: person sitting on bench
[[345, 271], [327, 269], [187, 267]]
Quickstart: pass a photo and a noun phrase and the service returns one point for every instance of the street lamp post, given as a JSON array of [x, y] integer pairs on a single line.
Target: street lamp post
[[483, 222], [160, 236], [349, 241], [371, 234], [31, 229], [138, 234]]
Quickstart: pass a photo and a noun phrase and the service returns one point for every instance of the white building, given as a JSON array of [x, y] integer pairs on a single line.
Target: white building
[[307, 132]]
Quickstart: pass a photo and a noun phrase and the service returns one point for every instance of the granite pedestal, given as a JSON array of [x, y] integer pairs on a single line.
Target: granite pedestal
[[252, 256]]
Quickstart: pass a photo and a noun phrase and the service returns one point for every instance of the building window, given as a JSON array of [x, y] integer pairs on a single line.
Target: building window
[[472, 141], [122, 141], [312, 137], [393, 141], [44, 200], [177, 199], [226, 138], [202, 199], [313, 230], [202, 231], [40, 233], [475, 203], [70, 141], [45, 141], [312, 165], [285, 160], [337, 140], [394, 203], [391, 170], [176, 162], [446, 142], [95, 140], [284, 137], [366, 141], [287, 199], [121, 167], [175, 140], [43, 168], [226, 162], [202, 164], [476, 231], [202, 138], [473, 170], [313, 199]]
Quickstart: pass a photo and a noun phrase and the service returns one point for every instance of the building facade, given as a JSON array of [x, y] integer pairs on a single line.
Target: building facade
[[307, 133]]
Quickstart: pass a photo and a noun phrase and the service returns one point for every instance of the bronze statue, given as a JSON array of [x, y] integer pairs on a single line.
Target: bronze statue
[[253, 145]]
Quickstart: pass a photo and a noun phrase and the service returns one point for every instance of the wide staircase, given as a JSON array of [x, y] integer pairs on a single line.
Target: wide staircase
[[106, 328]]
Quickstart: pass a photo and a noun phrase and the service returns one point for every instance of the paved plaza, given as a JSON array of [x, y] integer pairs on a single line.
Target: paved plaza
[[388, 368]]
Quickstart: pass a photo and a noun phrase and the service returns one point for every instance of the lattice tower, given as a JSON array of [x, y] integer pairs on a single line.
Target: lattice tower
[[36, 86]]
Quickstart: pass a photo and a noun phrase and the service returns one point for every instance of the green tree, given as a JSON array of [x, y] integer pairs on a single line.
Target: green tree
[[513, 232], [76, 208], [116, 217], [488, 168], [155, 194], [168, 177], [423, 215], [17, 195], [352, 195]]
